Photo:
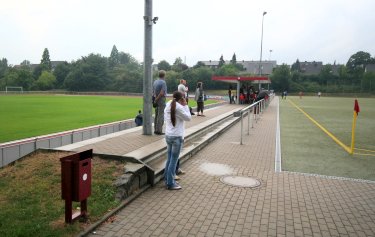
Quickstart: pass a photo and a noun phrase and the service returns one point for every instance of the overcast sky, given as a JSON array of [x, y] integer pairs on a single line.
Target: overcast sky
[[308, 30]]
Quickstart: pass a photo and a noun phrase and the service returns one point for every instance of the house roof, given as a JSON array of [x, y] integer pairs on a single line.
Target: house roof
[[370, 68], [311, 67], [253, 66], [235, 79], [250, 66]]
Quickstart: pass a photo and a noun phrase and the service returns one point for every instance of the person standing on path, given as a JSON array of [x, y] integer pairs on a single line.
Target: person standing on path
[[175, 114], [199, 98], [182, 88], [230, 94], [160, 92], [184, 91]]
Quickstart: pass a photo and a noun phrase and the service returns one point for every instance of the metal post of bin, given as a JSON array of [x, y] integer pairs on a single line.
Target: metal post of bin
[[66, 187]]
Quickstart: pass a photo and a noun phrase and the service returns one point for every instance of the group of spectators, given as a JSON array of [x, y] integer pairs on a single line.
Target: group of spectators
[[174, 113], [160, 92], [159, 101], [247, 95]]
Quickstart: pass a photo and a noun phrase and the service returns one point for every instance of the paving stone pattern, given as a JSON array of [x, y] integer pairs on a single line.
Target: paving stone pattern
[[284, 205]]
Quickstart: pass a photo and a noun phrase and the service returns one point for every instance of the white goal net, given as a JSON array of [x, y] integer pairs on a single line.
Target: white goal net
[[13, 89]]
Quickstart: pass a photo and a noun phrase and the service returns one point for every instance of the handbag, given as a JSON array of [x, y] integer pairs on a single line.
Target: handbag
[[154, 104]]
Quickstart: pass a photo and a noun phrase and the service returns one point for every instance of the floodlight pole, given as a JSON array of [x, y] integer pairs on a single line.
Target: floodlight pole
[[147, 64], [261, 51]]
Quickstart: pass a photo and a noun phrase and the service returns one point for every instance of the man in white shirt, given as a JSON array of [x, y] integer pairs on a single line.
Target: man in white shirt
[[184, 90], [182, 87]]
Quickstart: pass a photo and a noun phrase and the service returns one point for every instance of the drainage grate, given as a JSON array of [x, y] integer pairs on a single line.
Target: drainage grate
[[241, 181]]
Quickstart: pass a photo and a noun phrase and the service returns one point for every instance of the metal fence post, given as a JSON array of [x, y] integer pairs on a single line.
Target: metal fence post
[[241, 126], [248, 121], [252, 121]]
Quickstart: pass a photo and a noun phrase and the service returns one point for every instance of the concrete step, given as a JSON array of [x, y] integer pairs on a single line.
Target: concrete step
[[191, 146]]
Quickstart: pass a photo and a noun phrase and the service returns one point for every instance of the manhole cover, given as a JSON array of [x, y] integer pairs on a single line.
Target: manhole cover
[[241, 181]]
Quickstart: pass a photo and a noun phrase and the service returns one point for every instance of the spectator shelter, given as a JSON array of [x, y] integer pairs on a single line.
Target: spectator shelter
[[240, 80]]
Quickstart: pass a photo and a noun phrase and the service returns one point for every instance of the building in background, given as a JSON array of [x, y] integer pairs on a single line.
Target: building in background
[[251, 67], [311, 68]]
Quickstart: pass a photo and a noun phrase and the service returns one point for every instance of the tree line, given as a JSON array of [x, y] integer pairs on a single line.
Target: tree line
[[121, 72], [350, 78]]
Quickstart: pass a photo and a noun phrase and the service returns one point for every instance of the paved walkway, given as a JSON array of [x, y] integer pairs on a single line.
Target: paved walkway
[[129, 140], [286, 204]]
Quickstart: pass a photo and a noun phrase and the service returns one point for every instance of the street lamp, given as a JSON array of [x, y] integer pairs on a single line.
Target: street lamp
[[261, 51]]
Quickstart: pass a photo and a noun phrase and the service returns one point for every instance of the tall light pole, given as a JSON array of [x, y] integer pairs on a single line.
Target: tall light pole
[[147, 64], [261, 51]]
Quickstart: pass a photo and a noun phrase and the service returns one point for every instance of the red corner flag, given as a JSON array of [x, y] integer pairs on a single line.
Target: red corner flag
[[356, 107], [355, 114]]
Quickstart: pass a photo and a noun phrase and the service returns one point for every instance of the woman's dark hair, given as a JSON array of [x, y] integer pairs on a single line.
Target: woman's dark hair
[[176, 97], [199, 85]]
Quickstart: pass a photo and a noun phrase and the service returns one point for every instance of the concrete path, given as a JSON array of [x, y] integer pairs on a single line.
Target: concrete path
[[126, 141], [285, 204]]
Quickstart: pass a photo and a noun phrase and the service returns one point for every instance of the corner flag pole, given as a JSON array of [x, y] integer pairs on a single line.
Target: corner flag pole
[[355, 115]]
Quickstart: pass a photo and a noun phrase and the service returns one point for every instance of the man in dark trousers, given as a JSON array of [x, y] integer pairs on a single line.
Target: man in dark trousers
[[160, 92], [230, 94]]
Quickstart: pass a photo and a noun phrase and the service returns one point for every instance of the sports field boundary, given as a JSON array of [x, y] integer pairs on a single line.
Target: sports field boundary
[[331, 177], [340, 143], [334, 138]]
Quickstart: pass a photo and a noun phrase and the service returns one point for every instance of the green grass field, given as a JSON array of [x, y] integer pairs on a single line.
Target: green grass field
[[306, 148], [23, 116]]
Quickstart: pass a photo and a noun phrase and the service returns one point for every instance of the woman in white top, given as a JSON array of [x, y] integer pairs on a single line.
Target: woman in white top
[[175, 114]]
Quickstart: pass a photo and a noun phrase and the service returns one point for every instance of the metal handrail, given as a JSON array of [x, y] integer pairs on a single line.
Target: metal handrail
[[259, 106]]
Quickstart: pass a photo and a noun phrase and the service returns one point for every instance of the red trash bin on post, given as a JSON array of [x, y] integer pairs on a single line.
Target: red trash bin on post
[[76, 182]]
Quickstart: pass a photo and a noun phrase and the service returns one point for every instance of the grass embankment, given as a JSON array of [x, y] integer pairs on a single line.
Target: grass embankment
[[30, 196], [306, 148], [23, 116]]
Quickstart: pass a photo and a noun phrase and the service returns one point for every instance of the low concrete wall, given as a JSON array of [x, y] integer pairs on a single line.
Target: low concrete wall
[[12, 151]]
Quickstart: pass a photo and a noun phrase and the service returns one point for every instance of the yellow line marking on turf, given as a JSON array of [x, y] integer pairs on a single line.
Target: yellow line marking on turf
[[363, 154], [346, 148], [364, 150]]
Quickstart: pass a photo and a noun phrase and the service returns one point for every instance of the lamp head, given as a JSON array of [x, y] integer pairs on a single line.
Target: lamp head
[[264, 13]]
